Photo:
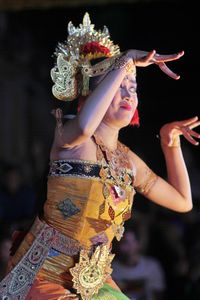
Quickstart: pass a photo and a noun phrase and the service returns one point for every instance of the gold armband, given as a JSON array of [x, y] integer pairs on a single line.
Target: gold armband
[[150, 179]]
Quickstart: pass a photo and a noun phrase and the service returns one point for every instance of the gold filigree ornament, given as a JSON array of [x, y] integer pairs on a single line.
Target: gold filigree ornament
[[64, 77], [91, 272], [73, 64]]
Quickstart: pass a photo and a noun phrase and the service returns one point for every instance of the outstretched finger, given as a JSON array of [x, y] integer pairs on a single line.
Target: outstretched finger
[[190, 122], [195, 124], [190, 132], [190, 138], [169, 57], [167, 71]]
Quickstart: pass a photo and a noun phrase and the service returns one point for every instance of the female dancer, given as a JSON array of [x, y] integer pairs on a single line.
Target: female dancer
[[93, 177]]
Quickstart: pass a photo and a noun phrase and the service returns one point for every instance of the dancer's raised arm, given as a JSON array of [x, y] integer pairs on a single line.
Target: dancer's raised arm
[[84, 125]]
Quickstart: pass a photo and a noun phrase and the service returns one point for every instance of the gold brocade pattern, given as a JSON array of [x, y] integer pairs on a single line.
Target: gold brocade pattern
[[94, 215], [56, 269]]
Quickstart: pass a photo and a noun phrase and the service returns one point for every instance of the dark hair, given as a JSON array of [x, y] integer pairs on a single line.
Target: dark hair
[[94, 81]]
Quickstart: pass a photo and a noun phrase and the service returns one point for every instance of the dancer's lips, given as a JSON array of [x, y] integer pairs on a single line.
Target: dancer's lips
[[126, 106]]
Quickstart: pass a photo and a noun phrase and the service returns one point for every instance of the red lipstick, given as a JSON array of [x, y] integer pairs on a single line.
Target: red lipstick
[[126, 106]]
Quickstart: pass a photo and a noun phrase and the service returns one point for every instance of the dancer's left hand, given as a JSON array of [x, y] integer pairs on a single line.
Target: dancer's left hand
[[171, 132]]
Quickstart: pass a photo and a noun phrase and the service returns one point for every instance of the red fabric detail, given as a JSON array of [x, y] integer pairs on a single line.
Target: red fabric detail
[[135, 121]]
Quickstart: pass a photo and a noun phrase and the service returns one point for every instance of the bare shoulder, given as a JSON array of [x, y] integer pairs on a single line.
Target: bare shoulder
[[135, 159], [141, 168]]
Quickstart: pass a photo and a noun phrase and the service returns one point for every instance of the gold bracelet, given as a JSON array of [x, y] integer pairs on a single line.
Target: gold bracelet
[[120, 62], [124, 62], [176, 143], [130, 67]]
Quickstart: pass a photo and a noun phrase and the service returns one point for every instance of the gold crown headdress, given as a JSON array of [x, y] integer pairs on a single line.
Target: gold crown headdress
[[73, 64]]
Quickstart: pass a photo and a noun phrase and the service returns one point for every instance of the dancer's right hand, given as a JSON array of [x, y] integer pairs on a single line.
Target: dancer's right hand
[[144, 59]]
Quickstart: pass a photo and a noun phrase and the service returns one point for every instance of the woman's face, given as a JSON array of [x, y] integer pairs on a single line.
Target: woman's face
[[124, 103]]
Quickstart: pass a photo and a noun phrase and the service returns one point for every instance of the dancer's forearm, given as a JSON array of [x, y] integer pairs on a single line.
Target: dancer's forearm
[[98, 102], [177, 172]]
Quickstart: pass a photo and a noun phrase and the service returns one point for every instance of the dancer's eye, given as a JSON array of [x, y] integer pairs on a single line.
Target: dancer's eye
[[133, 90]]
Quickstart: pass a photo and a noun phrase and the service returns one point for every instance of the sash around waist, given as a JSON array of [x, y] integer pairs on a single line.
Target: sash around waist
[[59, 241]]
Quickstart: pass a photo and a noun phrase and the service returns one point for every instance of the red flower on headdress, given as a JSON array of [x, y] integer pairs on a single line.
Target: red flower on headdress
[[94, 47]]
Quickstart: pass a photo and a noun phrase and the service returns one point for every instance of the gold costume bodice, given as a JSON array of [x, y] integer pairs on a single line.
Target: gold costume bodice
[[85, 204]]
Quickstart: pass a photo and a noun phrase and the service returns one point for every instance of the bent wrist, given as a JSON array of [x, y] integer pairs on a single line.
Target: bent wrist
[[173, 142]]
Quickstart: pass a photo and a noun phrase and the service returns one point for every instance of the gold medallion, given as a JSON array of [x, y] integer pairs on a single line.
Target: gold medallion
[[90, 273]]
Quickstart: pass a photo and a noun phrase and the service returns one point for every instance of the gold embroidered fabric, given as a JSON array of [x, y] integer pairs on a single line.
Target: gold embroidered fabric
[[56, 269], [89, 215]]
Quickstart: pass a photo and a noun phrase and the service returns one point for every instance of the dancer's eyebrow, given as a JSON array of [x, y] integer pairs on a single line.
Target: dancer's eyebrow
[[133, 81]]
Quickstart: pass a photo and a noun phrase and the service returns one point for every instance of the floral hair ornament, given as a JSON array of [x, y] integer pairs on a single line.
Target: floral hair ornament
[[73, 66]]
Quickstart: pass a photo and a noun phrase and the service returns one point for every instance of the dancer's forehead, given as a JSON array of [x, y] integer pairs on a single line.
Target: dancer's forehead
[[131, 78]]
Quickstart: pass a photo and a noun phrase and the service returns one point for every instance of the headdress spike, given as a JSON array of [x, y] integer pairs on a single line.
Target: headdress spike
[[71, 28], [86, 20], [106, 31]]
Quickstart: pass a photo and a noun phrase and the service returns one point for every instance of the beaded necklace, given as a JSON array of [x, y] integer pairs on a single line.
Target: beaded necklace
[[116, 170], [116, 160]]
